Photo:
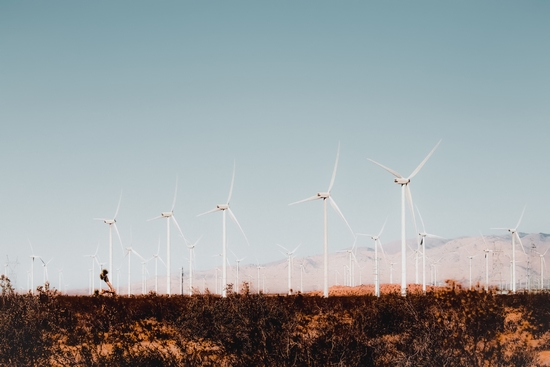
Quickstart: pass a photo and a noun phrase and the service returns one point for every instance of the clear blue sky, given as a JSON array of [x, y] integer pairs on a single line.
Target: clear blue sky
[[99, 97]]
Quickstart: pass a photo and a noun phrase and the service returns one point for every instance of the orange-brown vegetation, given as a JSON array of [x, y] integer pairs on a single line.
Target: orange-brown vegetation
[[449, 326]]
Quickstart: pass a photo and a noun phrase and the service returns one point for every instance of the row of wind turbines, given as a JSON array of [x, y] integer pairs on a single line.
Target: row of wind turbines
[[406, 198]]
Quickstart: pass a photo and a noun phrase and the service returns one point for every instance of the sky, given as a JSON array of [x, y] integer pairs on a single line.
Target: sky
[[103, 98]]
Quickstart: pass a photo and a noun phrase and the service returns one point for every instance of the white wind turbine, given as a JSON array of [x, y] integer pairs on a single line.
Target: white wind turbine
[[94, 259], [112, 223], [191, 258], [157, 258], [487, 251], [514, 233], [405, 192], [326, 195], [542, 262], [351, 260], [302, 270], [45, 266], [169, 215], [289, 255], [422, 244], [237, 260], [225, 208], [129, 250], [377, 244], [32, 256], [470, 258], [60, 276], [258, 267]]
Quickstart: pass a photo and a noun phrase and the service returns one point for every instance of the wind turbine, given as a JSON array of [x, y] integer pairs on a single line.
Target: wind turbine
[[542, 262], [169, 215], [405, 192], [60, 276], [514, 233], [289, 254], [225, 208], [351, 269], [486, 251], [112, 223], [258, 267], [423, 236], [94, 259], [32, 256], [376, 267], [237, 260], [45, 265], [157, 258], [129, 250], [326, 195], [302, 270], [191, 258]]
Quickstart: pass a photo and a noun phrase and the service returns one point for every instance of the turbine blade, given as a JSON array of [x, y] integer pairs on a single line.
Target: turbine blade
[[175, 195], [383, 226], [160, 216], [421, 220], [424, 161], [284, 248], [335, 167], [293, 251], [519, 239], [99, 218], [409, 199], [483, 238], [196, 242], [138, 255], [30, 244], [179, 228], [118, 206], [210, 211], [435, 236], [382, 248], [387, 169], [232, 182], [308, 199], [119, 239], [520, 218], [237, 223], [335, 207]]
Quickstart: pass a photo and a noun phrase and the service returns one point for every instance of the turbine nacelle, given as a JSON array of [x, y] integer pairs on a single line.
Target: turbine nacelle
[[166, 214], [109, 221], [323, 195], [222, 206], [401, 181]]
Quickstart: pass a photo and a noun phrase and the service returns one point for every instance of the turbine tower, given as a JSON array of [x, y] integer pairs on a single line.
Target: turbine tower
[[405, 192], [225, 208], [238, 261], [289, 254], [32, 256], [376, 267], [191, 258], [157, 258], [169, 215], [423, 236], [326, 195], [542, 262], [514, 232], [112, 223], [487, 251]]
